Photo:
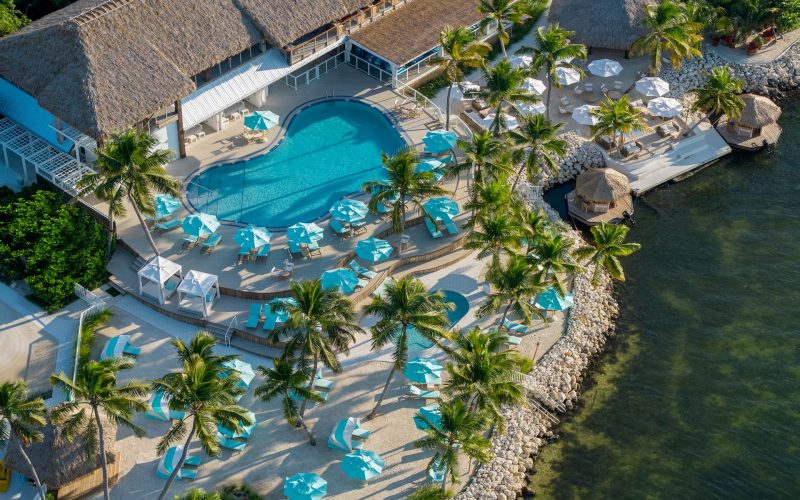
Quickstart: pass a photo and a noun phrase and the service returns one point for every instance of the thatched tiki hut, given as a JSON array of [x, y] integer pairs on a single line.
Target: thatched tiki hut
[[63, 465], [605, 24], [601, 195], [757, 127]]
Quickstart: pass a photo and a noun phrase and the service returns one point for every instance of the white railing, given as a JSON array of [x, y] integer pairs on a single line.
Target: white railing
[[370, 69], [87, 295], [96, 308], [422, 66], [314, 73]]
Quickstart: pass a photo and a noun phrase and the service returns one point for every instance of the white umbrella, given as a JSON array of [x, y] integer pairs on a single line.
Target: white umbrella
[[583, 115], [534, 85], [605, 67], [510, 121], [652, 86], [665, 106], [532, 109], [521, 61], [567, 76]]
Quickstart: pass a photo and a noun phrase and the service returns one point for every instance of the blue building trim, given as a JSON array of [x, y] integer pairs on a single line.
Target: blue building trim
[[25, 110]]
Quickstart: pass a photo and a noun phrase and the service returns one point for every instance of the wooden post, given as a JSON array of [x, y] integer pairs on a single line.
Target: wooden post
[[181, 140]]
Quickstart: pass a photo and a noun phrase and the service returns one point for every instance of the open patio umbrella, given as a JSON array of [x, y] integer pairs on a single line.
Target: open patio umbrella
[[534, 85], [158, 408], [652, 86], [342, 435], [605, 67], [521, 61], [439, 141], [432, 414], [441, 208], [164, 205], [200, 225], [252, 237], [261, 120], [423, 371], [245, 371], [304, 232], [430, 165], [537, 108], [305, 486], [362, 464], [567, 76], [550, 300], [280, 317], [374, 249], [583, 114], [511, 122], [349, 210], [343, 279], [665, 106], [244, 433]]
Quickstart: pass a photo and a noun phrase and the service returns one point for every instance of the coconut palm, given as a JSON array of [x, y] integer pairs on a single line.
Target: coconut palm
[[198, 494], [535, 225], [617, 118], [552, 48], [606, 249], [460, 50], [502, 164], [504, 87], [551, 258], [403, 303], [284, 380], [459, 431], [483, 374], [513, 284], [502, 13], [96, 389], [430, 491], [21, 417], [495, 233], [536, 136], [208, 400], [719, 96], [488, 198], [320, 326], [402, 185], [202, 345], [479, 150], [129, 167], [669, 32]]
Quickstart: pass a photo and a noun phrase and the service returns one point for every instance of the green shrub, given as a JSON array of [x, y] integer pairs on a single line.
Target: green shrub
[[430, 88], [788, 15]]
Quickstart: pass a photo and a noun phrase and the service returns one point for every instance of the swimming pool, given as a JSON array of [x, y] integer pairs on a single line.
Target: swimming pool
[[460, 306], [328, 151]]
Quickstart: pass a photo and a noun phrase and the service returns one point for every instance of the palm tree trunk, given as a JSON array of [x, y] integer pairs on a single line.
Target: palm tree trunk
[[27, 459], [505, 312], [444, 479], [103, 460], [311, 440], [110, 229], [179, 464], [402, 200], [447, 108], [549, 92], [516, 180], [144, 226], [310, 388], [374, 411]]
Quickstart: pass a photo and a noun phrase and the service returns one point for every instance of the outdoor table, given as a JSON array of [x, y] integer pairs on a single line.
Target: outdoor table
[[590, 97]]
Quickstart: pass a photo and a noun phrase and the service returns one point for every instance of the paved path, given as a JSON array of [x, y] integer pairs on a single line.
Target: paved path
[[766, 55]]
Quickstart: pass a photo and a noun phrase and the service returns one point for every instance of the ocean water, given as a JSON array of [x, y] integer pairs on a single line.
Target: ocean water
[[700, 394], [329, 150]]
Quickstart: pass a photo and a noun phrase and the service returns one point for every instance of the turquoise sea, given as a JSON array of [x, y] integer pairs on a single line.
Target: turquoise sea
[[700, 394]]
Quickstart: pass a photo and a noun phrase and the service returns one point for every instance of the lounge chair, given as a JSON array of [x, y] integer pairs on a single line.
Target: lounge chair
[[211, 243], [361, 434], [514, 327], [294, 247], [168, 225], [263, 252], [340, 230], [450, 226], [131, 350], [270, 321], [362, 271], [435, 233], [362, 283], [189, 241], [417, 393], [313, 249], [359, 227], [513, 341], [188, 473], [255, 316]]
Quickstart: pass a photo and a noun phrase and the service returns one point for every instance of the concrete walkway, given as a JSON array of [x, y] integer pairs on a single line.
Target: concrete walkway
[[766, 55]]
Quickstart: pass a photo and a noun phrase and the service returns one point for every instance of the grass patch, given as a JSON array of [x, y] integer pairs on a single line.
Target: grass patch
[[91, 323]]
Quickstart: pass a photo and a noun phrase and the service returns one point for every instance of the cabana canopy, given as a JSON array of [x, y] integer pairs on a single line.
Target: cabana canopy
[[758, 112], [198, 287], [158, 271], [602, 185]]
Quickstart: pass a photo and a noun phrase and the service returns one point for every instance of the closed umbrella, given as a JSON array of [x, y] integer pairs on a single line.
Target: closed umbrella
[[665, 106], [362, 464], [423, 371], [200, 225], [304, 232], [343, 279], [567, 76], [551, 300], [534, 85], [252, 237], [261, 120], [374, 249], [342, 435], [537, 108], [349, 210], [652, 86], [164, 205], [439, 141], [583, 114], [441, 208], [305, 486], [605, 67]]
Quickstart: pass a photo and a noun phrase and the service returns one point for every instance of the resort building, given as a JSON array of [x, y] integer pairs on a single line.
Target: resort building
[[602, 24], [95, 67]]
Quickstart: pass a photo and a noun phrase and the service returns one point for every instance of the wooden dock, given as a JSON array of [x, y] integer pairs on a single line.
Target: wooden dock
[[769, 135]]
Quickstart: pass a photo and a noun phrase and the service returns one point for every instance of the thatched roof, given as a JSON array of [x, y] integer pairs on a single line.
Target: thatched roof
[[57, 461], [758, 111], [414, 28], [609, 24], [602, 185]]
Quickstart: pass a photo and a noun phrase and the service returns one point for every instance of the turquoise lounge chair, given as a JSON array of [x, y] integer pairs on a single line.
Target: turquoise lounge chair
[[361, 271], [337, 228], [263, 252], [255, 316], [131, 350], [418, 393], [513, 341], [211, 243], [435, 233], [450, 226], [190, 240], [168, 225], [313, 247], [294, 247], [514, 327], [270, 321]]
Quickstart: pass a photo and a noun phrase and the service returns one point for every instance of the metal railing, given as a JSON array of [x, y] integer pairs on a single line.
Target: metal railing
[[96, 308], [370, 69], [421, 67], [307, 76]]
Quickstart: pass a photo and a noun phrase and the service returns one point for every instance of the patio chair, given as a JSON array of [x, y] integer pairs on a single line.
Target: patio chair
[[435, 233], [313, 249], [513, 341], [263, 252], [294, 247], [189, 241], [405, 239], [450, 226], [514, 327], [578, 90], [362, 271], [254, 318], [168, 225], [277, 272], [417, 393], [603, 88], [359, 227], [340, 230], [211, 243]]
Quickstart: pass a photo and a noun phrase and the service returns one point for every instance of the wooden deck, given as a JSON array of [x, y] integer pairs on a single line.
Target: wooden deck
[[614, 215], [769, 135]]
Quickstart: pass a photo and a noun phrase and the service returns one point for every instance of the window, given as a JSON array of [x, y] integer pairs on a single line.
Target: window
[[228, 64]]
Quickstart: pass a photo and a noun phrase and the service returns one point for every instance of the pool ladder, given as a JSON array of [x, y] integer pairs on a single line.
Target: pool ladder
[[329, 94]]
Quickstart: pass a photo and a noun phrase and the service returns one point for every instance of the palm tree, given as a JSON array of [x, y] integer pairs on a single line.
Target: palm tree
[[552, 48], [502, 164], [402, 185], [719, 96], [514, 283], [430, 491], [608, 245], [460, 50], [96, 389], [536, 135], [670, 31], [504, 86], [320, 325], [21, 417], [495, 233], [208, 399], [535, 224], [129, 167], [284, 380], [491, 197], [483, 374], [460, 431], [551, 257], [501, 12], [479, 150], [202, 346], [198, 494], [403, 303], [617, 118]]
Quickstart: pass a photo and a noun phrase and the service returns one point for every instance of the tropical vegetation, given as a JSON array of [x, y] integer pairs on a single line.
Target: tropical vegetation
[[607, 247], [616, 119], [504, 86], [22, 417], [670, 33], [719, 95]]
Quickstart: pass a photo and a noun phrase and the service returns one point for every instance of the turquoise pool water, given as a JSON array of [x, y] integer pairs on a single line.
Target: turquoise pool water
[[329, 150], [417, 342]]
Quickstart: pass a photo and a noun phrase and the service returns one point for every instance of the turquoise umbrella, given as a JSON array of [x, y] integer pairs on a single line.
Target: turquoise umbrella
[[439, 141], [441, 208], [200, 225], [414, 340], [343, 279], [432, 414], [374, 249], [423, 371], [261, 120], [436, 167], [304, 232], [362, 464], [305, 486], [349, 210], [164, 205], [550, 300], [252, 237]]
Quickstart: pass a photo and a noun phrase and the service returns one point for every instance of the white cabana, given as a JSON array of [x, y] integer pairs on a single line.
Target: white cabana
[[198, 291], [154, 278]]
